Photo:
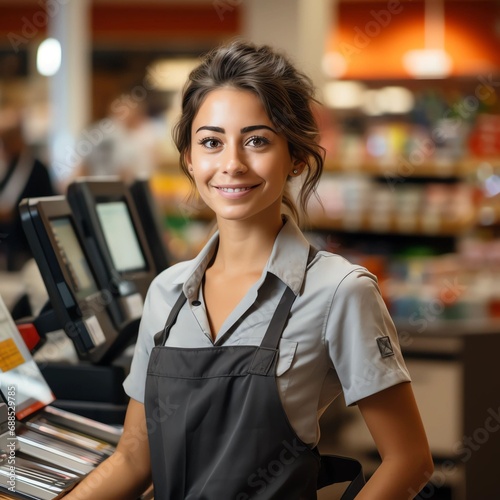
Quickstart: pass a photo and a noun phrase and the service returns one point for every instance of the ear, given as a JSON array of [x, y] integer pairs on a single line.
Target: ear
[[187, 159], [297, 168]]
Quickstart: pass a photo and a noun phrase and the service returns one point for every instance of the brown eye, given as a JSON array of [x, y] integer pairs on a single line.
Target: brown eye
[[257, 141], [210, 143]]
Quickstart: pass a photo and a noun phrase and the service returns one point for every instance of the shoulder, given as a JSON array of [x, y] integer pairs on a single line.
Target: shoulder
[[334, 286], [351, 294], [169, 282], [337, 274]]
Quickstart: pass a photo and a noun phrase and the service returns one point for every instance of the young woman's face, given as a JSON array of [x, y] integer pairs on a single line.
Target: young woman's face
[[238, 160]]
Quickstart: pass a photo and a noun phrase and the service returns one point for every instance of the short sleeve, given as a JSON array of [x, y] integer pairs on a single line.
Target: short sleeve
[[135, 383], [361, 338]]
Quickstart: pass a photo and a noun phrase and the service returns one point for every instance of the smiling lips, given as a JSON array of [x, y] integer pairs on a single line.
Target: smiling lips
[[234, 190]]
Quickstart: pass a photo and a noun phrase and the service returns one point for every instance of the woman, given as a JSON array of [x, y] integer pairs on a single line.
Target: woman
[[262, 332]]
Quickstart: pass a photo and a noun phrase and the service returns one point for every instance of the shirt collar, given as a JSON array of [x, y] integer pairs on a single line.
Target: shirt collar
[[193, 274], [288, 260]]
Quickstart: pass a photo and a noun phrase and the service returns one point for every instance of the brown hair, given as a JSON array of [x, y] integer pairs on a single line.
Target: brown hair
[[287, 96]]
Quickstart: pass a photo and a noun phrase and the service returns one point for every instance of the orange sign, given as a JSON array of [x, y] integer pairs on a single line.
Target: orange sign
[[10, 357]]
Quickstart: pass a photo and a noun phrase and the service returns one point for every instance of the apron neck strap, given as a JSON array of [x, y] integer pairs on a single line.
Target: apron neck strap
[[162, 335], [277, 325]]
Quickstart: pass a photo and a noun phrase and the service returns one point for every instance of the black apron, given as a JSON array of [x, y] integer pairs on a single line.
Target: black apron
[[217, 427]]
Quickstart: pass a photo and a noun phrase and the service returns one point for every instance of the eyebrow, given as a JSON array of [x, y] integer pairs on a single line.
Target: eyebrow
[[244, 130]]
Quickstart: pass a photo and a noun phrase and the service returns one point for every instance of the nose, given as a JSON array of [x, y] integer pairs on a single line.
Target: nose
[[234, 163]]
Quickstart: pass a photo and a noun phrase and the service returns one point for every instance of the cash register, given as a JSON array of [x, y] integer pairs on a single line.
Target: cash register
[[83, 308], [113, 233]]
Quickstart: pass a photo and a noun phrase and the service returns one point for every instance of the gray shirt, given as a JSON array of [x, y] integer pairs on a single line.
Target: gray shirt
[[339, 337]]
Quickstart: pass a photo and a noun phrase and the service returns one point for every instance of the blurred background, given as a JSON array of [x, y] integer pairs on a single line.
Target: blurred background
[[410, 119]]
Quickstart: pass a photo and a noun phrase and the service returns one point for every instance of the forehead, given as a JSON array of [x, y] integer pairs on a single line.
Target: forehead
[[231, 104]]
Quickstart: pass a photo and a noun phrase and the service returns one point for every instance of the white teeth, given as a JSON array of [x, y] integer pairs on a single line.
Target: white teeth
[[233, 190]]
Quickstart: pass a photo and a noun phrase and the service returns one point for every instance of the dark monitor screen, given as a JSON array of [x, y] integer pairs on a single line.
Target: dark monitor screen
[[76, 264], [120, 235]]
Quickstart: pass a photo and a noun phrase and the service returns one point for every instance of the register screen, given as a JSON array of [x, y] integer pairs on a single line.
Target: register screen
[[120, 236], [82, 280], [21, 382]]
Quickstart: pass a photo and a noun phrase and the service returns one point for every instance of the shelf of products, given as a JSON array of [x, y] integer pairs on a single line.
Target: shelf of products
[[460, 286], [401, 168], [359, 203]]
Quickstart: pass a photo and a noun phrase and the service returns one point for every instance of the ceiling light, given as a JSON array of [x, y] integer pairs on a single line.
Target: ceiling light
[[48, 57], [432, 61]]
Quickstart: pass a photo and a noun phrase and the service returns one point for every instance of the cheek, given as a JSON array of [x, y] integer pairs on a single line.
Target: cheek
[[201, 165], [201, 158], [203, 172]]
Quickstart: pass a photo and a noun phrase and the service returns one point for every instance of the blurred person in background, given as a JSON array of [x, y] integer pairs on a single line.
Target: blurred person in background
[[22, 175], [125, 144]]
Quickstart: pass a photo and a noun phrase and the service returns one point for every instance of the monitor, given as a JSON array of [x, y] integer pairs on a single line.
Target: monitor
[[106, 213], [151, 222], [74, 282]]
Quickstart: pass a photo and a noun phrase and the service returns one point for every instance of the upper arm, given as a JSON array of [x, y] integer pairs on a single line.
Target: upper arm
[[151, 322], [394, 422], [133, 445], [358, 320]]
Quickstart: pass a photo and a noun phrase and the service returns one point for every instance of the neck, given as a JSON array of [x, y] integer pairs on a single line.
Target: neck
[[245, 247]]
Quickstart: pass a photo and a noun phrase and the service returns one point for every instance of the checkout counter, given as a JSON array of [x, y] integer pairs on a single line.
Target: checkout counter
[[44, 452], [99, 311]]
